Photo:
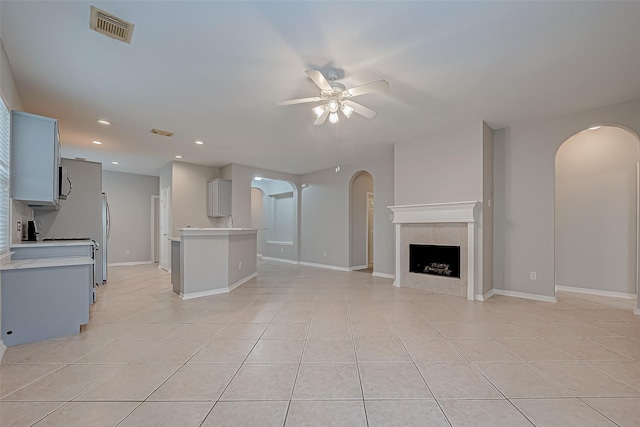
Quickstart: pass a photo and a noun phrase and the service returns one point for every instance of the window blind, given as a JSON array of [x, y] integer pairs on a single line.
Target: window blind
[[4, 177]]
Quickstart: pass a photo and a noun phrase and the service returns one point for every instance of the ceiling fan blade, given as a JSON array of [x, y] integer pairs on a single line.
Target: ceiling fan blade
[[362, 110], [323, 117], [298, 101], [379, 86], [319, 80]]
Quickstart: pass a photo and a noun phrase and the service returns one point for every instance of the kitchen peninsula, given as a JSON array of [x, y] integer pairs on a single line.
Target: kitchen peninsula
[[212, 260]]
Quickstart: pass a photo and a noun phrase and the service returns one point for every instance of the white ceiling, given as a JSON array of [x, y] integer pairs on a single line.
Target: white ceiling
[[212, 70]]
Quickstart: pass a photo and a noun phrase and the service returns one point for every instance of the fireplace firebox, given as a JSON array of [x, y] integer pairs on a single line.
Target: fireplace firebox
[[438, 260]]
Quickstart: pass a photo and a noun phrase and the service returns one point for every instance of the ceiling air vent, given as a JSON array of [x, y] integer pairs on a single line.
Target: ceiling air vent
[[110, 26], [161, 132]]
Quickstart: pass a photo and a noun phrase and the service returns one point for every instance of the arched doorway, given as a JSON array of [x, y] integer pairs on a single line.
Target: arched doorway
[[596, 212], [361, 202]]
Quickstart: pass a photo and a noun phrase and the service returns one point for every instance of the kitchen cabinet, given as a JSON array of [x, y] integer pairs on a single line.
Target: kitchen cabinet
[[218, 198], [35, 159], [47, 288]]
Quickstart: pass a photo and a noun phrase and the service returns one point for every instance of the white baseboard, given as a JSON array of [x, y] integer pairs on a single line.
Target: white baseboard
[[290, 261], [123, 264], [636, 311], [330, 267], [396, 284], [358, 267], [486, 296], [3, 348], [524, 295], [385, 275], [193, 295], [596, 292]]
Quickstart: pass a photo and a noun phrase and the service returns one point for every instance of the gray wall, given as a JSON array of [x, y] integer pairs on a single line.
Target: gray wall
[[525, 193], [487, 208], [325, 215], [596, 211], [258, 220], [130, 203], [438, 168], [361, 184], [81, 214], [189, 196]]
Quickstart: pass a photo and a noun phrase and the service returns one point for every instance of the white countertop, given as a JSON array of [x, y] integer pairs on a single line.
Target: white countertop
[[215, 231], [52, 243], [46, 262]]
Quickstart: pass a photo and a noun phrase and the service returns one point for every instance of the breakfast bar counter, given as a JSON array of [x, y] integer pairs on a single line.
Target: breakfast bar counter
[[214, 260]]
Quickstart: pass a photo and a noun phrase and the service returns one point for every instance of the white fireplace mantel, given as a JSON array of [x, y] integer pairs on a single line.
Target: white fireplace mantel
[[456, 212]]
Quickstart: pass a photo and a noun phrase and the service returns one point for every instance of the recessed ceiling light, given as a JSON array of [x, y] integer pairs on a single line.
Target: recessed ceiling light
[[178, 157], [595, 128], [115, 163], [258, 178], [103, 122], [199, 142], [97, 142]]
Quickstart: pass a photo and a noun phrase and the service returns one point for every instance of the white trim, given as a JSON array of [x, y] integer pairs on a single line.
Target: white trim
[[153, 228], [366, 221], [385, 275], [595, 292], [3, 348], [290, 261], [524, 295], [359, 267], [330, 267], [219, 290], [636, 311], [123, 264], [486, 296]]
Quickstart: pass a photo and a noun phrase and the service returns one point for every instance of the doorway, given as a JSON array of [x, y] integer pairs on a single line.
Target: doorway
[[596, 213], [361, 222]]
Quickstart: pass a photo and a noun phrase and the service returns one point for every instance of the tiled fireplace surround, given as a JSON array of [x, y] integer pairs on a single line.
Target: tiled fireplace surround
[[454, 224]]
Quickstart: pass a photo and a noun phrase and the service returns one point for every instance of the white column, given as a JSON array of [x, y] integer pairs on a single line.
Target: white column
[[398, 282]]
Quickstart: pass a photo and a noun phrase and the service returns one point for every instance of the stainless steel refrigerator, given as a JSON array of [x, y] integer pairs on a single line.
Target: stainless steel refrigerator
[[106, 230]]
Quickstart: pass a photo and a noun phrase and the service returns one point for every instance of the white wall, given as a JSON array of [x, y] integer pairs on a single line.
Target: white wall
[[487, 208], [130, 203], [595, 239], [361, 184], [525, 192], [325, 215], [258, 220]]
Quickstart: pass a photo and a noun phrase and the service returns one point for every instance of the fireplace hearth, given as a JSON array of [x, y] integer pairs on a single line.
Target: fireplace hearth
[[437, 260]]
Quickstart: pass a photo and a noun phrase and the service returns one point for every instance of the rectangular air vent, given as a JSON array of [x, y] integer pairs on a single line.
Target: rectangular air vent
[[162, 132], [110, 25]]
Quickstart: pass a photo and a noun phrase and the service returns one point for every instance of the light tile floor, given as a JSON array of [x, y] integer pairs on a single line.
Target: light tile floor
[[301, 346]]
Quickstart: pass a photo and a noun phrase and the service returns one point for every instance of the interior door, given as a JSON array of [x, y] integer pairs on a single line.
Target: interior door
[[165, 244]]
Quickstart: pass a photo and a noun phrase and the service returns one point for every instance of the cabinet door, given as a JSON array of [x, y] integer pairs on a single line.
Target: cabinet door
[[35, 158], [218, 198]]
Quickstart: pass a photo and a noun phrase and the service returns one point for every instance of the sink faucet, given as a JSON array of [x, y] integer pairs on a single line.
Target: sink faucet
[[228, 221]]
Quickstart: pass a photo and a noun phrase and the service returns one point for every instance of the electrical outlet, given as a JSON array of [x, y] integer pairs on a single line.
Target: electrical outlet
[[240, 265], [533, 275], [281, 249], [324, 253], [126, 252], [19, 227]]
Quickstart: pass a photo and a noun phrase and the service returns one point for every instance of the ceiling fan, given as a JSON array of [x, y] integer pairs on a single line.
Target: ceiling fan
[[336, 97]]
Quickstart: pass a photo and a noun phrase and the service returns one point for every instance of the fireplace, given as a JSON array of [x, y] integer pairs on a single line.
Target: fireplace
[[437, 260]]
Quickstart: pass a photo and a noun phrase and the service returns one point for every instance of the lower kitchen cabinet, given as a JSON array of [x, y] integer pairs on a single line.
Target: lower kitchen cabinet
[[44, 299]]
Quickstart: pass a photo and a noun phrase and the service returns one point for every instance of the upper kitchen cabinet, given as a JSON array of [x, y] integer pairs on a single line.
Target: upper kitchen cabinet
[[218, 198], [35, 159]]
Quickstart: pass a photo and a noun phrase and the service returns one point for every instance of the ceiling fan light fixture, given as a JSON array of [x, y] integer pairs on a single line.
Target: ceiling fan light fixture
[[333, 118], [333, 106], [347, 110], [318, 110]]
